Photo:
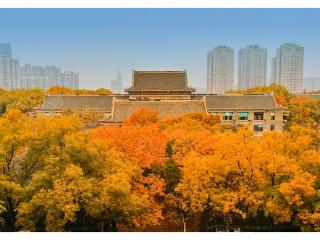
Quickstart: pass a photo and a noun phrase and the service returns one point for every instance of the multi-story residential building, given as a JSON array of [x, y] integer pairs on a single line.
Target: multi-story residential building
[[15, 74], [26, 75], [5, 80], [5, 50], [48, 76], [168, 92], [33, 76], [252, 67], [220, 69], [116, 85], [289, 67], [70, 79], [39, 77], [9, 73], [54, 75], [273, 70]]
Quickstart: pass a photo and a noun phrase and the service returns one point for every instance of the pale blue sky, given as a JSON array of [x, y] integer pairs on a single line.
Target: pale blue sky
[[99, 42]]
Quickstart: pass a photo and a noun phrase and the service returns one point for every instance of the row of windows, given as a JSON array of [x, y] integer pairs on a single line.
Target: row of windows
[[245, 115], [259, 128], [256, 127]]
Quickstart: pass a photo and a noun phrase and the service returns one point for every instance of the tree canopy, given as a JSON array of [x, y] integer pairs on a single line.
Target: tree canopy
[[154, 174]]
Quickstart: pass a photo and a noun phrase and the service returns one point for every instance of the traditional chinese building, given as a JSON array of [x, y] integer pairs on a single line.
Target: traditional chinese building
[[169, 93]]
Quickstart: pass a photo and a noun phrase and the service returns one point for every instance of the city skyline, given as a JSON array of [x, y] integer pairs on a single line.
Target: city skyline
[[286, 69], [99, 43], [14, 75]]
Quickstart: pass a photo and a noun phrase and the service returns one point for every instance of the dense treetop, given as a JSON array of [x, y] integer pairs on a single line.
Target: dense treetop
[[56, 174]]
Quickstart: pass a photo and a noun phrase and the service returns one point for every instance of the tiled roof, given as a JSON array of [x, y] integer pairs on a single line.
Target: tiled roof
[[241, 102], [159, 81], [77, 102], [123, 108]]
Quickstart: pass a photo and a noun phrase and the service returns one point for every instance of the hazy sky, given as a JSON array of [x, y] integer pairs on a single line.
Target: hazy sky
[[99, 42]]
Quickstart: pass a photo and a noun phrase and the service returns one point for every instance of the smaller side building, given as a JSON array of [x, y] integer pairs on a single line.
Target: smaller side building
[[257, 112], [57, 104]]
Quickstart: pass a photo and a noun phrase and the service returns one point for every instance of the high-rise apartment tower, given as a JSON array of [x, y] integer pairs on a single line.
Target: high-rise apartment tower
[[220, 69]]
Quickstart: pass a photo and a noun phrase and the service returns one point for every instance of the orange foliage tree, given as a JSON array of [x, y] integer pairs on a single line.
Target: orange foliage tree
[[56, 174]]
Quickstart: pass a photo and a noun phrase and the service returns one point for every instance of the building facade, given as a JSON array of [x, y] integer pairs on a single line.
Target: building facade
[[273, 70], [15, 74], [252, 67], [289, 67], [9, 73], [168, 92], [9, 68], [220, 70], [5, 81], [45, 77], [70, 79], [257, 112], [27, 76]]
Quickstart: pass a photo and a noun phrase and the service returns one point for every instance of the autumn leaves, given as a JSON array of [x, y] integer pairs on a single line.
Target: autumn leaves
[[56, 175]]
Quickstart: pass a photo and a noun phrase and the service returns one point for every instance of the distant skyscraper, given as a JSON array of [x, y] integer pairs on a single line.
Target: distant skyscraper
[[220, 69], [252, 67], [47, 76], [289, 67], [5, 50], [39, 77], [273, 70], [9, 68], [116, 85], [5, 81], [70, 79], [15, 74], [26, 76], [54, 75], [9, 73]]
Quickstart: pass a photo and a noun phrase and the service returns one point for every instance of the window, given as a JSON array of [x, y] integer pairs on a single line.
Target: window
[[243, 116], [227, 115], [285, 119], [258, 128], [258, 116], [106, 115], [272, 127], [273, 115], [215, 114]]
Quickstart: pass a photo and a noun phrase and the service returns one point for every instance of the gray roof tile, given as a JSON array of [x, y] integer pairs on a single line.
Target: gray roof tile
[[241, 102], [78, 102], [124, 108], [159, 81]]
